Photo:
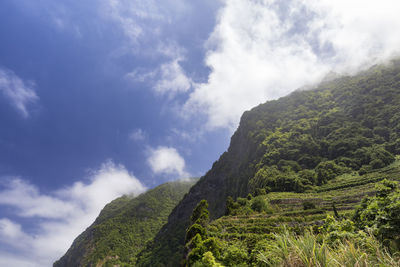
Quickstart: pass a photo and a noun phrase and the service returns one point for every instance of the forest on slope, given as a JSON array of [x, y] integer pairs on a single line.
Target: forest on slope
[[342, 130]]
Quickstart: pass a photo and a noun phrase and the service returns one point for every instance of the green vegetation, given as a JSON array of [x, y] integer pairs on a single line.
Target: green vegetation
[[124, 226], [289, 234], [286, 193], [200, 248], [308, 250], [349, 125], [381, 213], [328, 146]]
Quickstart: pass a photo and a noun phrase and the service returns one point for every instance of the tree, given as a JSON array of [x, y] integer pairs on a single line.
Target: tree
[[327, 170], [200, 213], [196, 233]]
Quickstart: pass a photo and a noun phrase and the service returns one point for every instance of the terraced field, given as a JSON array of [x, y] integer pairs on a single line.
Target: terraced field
[[286, 210]]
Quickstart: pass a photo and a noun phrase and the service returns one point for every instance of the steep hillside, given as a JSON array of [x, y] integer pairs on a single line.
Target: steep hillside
[[124, 226], [311, 141]]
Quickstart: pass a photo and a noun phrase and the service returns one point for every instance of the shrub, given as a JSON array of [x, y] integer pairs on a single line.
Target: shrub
[[262, 191], [208, 260], [308, 205], [231, 206], [235, 255], [241, 201], [259, 204]]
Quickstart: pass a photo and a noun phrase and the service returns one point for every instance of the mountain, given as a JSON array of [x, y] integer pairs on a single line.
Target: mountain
[[337, 136], [309, 179], [124, 226]]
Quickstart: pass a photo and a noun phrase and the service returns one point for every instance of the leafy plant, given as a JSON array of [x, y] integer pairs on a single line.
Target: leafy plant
[[382, 213]]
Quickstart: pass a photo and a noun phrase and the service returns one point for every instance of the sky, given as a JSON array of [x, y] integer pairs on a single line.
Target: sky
[[100, 98]]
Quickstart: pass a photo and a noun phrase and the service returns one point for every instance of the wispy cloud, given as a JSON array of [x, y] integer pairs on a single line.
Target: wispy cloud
[[19, 92], [167, 79], [173, 79], [142, 21], [59, 216], [145, 25], [59, 15], [137, 135], [261, 50], [167, 161]]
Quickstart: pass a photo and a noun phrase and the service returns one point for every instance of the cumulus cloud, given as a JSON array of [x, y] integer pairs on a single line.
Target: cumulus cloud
[[261, 50], [19, 92], [168, 161], [60, 216]]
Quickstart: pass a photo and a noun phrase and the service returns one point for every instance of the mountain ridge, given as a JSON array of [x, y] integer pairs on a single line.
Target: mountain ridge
[[124, 226]]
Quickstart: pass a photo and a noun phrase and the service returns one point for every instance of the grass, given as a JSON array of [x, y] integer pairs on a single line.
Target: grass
[[308, 251]]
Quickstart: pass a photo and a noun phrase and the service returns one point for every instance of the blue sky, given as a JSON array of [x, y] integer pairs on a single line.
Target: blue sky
[[104, 98]]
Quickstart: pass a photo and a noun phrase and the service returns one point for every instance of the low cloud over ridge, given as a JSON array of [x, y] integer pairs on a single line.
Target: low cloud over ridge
[[261, 50]]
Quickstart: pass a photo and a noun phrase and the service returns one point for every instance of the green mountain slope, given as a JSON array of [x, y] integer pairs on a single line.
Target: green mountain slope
[[124, 226], [336, 136]]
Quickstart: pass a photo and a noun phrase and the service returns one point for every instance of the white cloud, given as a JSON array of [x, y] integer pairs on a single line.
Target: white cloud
[[141, 75], [137, 135], [59, 216], [167, 160], [19, 92], [7, 259], [144, 23], [173, 79], [168, 78], [142, 20], [261, 50], [11, 230]]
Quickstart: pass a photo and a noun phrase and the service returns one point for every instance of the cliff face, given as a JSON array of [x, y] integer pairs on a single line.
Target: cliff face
[[215, 187], [296, 143], [124, 226]]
